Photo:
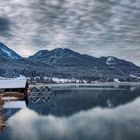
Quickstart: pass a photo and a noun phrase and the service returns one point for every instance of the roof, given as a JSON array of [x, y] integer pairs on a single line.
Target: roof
[[11, 84]]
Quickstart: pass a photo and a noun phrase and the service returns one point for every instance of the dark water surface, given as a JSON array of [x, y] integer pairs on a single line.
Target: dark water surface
[[76, 115]]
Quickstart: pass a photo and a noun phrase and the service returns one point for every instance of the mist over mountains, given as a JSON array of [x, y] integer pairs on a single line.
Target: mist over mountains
[[65, 63]]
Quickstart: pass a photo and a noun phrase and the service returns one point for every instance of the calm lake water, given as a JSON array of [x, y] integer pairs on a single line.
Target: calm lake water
[[75, 115]]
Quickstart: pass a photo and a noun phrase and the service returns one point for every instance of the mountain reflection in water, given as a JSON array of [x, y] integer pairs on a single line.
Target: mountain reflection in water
[[82, 115]]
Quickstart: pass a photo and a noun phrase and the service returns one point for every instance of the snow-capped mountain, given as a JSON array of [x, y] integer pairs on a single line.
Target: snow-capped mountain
[[67, 58], [72, 63], [65, 63], [6, 52]]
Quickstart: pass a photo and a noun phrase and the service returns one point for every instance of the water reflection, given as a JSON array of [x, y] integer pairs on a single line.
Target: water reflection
[[69, 102], [78, 115], [44, 95], [9, 105]]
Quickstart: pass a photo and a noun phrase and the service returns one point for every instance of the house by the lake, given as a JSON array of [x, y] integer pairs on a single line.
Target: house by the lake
[[13, 85]]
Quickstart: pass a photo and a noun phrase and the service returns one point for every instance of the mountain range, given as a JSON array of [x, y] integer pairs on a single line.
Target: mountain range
[[65, 63]]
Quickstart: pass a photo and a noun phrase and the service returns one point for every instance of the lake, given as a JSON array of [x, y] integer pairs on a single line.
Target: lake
[[83, 114]]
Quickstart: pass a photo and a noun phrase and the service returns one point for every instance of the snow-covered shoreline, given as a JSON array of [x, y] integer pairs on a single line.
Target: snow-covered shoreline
[[97, 85]]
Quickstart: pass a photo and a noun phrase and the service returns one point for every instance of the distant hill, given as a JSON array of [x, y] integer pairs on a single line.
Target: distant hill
[[65, 63]]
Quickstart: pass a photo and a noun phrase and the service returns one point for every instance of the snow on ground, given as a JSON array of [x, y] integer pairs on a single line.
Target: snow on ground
[[110, 60], [7, 52], [116, 80], [8, 98], [131, 75], [62, 80], [21, 77]]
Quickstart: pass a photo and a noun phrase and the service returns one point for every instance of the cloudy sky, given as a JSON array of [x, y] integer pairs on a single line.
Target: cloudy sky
[[95, 27]]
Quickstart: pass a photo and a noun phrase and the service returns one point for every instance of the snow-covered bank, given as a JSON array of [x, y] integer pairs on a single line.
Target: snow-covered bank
[[93, 86], [100, 84]]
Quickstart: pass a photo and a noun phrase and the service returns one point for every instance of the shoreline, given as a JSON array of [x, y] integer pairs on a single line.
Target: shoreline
[[94, 83], [90, 85]]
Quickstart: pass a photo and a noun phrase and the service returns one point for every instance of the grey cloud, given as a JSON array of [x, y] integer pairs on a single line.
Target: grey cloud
[[4, 26], [79, 25]]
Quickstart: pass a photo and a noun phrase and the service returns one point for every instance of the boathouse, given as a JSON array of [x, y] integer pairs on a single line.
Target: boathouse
[[13, 85]]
